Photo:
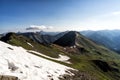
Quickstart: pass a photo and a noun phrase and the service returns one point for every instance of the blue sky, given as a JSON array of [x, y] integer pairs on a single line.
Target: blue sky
[[61, 15]]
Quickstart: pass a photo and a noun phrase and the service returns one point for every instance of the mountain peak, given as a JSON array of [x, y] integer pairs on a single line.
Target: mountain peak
[[7, 36], [67, 39], [73, 32]]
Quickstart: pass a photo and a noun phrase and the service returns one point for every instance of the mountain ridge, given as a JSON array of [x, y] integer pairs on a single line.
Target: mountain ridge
[[102, 62], [108, 38]]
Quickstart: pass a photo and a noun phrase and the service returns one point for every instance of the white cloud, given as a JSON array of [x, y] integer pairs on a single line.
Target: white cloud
[[36, 27]]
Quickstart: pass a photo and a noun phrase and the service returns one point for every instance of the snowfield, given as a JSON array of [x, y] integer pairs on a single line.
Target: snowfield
[[62, 58], [16, 61]]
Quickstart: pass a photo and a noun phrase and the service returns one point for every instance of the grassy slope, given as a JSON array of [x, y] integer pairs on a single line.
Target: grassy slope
[[22, 41], [82, 62], [85, 61]]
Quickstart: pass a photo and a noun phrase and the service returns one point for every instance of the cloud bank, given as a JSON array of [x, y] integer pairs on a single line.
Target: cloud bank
[[36, 27]]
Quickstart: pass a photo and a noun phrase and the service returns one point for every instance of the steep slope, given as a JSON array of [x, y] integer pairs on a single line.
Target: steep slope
[[37, 37], [102, 62], [67, 40], [74, 40], [42, 37], [16, 61], [28, 43], [92, 61], [108, 38], [22, 41]]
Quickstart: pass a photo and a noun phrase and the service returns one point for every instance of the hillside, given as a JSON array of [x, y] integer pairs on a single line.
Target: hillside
[[18, 63], [93, 61], [108, 38], [30, 44], [84, 53], [43, 37]]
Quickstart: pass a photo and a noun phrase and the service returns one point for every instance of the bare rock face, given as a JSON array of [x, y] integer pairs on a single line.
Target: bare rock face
[[6, 77]]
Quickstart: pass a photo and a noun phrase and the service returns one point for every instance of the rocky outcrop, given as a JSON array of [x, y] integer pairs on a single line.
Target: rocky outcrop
[[104, 66], [7, 77]]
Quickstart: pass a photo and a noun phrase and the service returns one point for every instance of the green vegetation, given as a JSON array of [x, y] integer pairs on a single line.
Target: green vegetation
[[19, 40], [83, 62]]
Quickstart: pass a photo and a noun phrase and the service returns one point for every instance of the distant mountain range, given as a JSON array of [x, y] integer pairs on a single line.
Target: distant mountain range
[[108, 38], [92, 61], [43, 37]]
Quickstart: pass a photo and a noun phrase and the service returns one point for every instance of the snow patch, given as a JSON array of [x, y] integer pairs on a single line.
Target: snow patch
[[18, 62], [62, 58], [29, 44]]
